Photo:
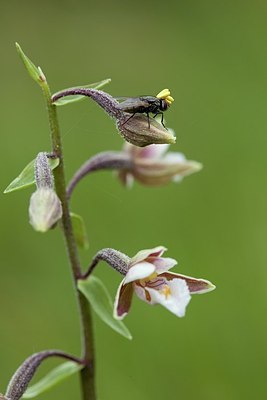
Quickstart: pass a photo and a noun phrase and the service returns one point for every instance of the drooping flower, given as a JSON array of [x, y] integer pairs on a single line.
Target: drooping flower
[[149, 277], [154, 166]]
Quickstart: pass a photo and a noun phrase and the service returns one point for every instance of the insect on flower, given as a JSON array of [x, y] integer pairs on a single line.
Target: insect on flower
[[148, 104]]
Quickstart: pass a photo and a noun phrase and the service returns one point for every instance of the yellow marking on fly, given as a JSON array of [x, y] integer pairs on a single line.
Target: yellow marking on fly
[[165, 94]]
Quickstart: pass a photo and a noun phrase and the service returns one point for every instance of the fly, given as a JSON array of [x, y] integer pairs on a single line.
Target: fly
[[148, 104]]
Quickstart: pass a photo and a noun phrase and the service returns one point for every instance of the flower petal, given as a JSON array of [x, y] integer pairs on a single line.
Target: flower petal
[[175, 301], [144, 254], [196, 286], [175, 157], [126, 178], [123, 300], [154, 151], [142, 293], [139, 271], [161, 171], [162, 264]]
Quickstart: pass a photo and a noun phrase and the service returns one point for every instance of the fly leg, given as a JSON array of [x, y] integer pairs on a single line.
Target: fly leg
[[147, 114], [162, 121], [128, 119]]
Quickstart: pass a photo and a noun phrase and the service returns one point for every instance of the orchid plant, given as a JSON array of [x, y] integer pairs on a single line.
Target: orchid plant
[[144, 158]]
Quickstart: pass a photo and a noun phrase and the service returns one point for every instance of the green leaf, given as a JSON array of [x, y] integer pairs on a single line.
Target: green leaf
[[35, 73], [26, 177], [79, 231], [53, 378], [97, 295], [71, 99]]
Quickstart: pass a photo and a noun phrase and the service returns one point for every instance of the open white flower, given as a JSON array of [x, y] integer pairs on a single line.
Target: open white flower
[[149, 278], [154, 166]]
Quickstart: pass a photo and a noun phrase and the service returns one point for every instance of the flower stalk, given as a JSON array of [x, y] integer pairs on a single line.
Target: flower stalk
[[87, 373], [105, 160], [116, 259]]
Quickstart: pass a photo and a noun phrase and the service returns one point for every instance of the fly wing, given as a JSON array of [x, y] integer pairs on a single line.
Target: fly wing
[[133, 104]]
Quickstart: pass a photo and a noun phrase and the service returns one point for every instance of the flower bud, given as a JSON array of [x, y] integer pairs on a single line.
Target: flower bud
[[45, 209], [137, 131]]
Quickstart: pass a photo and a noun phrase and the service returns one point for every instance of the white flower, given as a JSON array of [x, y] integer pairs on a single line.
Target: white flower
[[153, 165], [149, 278]]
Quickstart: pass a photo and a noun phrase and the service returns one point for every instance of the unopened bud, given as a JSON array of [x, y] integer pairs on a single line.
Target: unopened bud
[[141, 131], [45, 209]]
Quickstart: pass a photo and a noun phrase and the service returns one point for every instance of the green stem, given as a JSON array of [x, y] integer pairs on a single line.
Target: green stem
[[87, 373]]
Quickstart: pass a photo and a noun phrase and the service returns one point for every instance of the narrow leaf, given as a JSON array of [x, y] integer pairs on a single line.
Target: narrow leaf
[[26, 177], [79, 231], [54, 377], [34, 72], [97, 295], [71, 99]]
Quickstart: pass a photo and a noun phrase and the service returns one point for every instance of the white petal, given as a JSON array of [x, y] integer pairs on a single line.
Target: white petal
[[143, 254], [174, 157], [139, 271], [126, 178], [154, 151], [140, 292], [176, 301], [162, 264]]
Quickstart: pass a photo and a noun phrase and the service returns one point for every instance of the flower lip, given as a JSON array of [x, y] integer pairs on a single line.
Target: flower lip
[[175, 298]]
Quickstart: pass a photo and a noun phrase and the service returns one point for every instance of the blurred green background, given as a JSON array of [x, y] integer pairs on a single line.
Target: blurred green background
[[212, 55]]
